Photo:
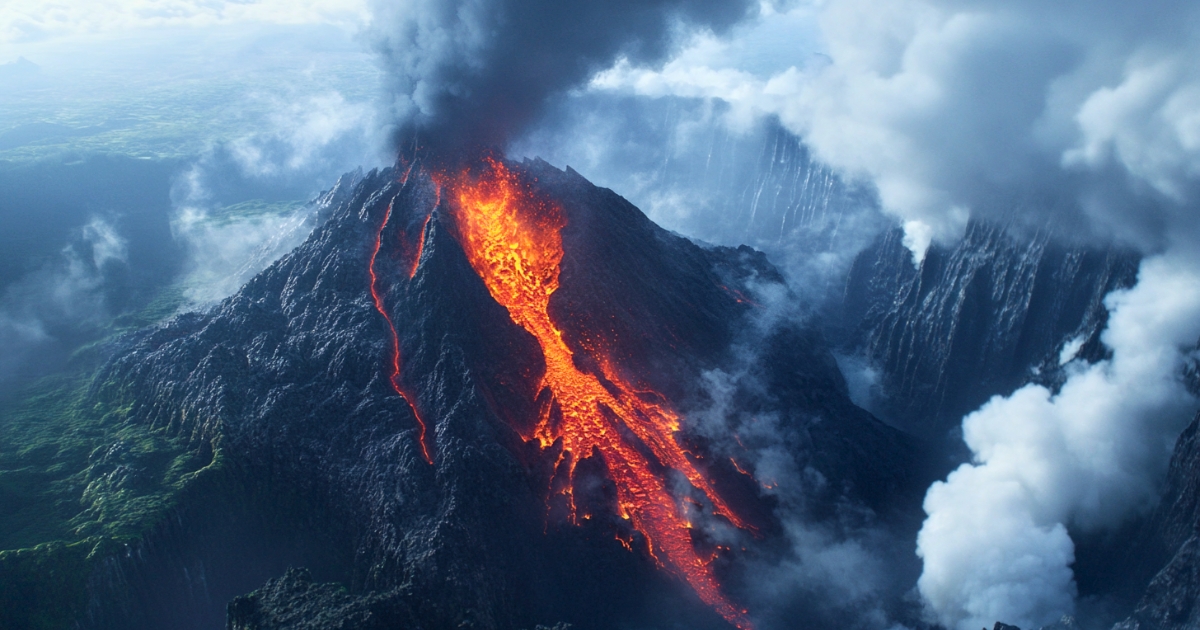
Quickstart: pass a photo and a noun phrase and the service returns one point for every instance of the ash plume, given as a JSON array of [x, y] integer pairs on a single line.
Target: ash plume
[[471, 73]]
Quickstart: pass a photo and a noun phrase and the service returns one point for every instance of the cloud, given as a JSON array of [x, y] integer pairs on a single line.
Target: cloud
[[228, 247], [239, 207], [307, 133], [1082, 112]]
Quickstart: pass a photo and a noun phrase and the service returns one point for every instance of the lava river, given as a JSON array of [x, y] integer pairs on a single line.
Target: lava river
[[513, 241]]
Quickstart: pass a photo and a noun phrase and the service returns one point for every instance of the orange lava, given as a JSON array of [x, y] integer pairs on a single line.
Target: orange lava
[[416, 259], [394, 378], [513, 241]]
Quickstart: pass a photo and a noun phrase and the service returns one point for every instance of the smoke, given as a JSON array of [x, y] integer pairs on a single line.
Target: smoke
[[472, 73], [835, 564]]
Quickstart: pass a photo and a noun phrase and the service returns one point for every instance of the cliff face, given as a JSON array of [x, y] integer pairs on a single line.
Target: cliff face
[[1169, 547], [410, 454], [980, 319]]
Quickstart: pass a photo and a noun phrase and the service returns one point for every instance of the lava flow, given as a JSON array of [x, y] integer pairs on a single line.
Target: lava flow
[[394, 378], [513, 241]]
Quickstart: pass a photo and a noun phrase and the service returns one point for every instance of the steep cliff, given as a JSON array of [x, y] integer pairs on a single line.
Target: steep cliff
[[979, 319]]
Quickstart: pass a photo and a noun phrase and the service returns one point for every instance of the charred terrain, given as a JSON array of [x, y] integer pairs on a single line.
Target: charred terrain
[[484, 397]]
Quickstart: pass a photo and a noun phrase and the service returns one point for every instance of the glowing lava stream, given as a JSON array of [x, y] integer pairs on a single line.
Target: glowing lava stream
[[394, 378], [513, 242]]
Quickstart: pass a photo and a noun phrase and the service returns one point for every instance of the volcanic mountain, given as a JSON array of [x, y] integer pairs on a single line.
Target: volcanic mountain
[[479, 398]]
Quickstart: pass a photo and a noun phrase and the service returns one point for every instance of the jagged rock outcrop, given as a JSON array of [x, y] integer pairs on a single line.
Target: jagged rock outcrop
[[1171, 600], [293, 601]]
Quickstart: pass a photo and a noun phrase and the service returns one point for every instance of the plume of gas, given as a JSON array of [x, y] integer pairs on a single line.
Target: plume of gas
[[1001, 110], [469, 74]]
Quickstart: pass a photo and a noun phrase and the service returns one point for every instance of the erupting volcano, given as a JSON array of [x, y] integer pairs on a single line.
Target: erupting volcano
[[513, 241], [454, 364]]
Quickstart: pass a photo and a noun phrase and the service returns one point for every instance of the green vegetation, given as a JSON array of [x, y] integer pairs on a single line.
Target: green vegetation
[[45, 588], [78, 479], [178, 112], [71, 470]]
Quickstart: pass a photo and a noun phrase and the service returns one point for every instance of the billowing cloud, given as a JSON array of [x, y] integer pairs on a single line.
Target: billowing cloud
[[1078, 111], [474, 72]]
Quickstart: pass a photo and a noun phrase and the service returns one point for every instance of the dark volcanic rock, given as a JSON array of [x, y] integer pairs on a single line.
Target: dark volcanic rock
[[294, 602], [1172, 600], [1171, 540], [290, 377]]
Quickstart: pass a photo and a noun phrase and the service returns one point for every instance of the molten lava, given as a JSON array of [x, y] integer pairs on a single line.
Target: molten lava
[[513, 241], [394, 377]]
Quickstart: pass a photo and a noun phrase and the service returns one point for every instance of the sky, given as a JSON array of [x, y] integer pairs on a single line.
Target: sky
[[1079, 117], [31, 21]]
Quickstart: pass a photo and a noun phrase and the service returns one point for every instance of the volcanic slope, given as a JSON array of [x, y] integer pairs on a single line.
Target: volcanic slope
[[470, 458]]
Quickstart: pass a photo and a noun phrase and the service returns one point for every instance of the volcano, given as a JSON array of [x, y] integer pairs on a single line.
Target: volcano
[[477, 397]]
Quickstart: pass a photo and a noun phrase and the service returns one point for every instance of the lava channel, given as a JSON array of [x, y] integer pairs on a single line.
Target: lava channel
[[513, 241], [394, 377]]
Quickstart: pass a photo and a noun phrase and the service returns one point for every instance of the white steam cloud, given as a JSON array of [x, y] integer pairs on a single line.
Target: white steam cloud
[[314, 133], [985, 109], [307, 142], [226, 249]]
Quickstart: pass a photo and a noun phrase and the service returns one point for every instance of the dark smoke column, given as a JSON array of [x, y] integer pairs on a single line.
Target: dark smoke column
[[469, 74]]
